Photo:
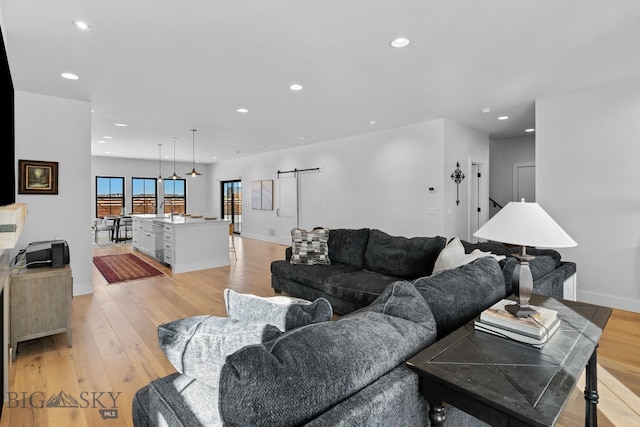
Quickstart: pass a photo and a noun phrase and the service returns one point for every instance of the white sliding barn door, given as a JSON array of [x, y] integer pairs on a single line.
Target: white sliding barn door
[[287, 204]]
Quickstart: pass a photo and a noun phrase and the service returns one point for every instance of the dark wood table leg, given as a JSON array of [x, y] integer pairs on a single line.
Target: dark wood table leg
[[591, 391], [437, 414], [116, 230]]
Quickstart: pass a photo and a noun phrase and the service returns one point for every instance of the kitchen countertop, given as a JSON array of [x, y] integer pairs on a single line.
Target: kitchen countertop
[[177, 219]]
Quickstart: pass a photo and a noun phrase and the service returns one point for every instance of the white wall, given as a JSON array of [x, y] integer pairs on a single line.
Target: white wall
[[198, 192], [587, 179], [504, 153], [57, 129], [463, 145], [376, 180]]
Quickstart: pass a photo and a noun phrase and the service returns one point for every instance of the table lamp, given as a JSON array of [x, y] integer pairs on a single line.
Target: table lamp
[[524, 224]]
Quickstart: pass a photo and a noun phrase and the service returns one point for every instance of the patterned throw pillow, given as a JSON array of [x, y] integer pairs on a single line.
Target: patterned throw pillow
[[310, 247]]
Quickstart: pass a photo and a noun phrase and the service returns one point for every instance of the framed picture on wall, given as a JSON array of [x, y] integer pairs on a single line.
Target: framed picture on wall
[[37, 177], [262, 195]]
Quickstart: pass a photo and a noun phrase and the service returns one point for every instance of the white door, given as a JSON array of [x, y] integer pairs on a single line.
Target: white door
[[474, 206], [478, 199], [524, 182], [287, 205]]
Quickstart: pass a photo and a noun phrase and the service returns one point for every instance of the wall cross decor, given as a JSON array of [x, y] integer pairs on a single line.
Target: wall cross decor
[[457, 176]]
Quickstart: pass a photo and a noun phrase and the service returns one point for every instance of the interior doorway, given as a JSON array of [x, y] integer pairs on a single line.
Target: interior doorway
[[524, 181], [478, 199], [231, 203]]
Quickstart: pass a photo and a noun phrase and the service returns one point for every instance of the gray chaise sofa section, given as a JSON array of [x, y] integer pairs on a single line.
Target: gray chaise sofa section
[[365, 261]]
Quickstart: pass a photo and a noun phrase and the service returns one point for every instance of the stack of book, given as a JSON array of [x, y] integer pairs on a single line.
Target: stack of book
[[535, 330]]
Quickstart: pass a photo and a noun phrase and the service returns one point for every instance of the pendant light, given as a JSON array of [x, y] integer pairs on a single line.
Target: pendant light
[[193, 171], [174, 176], [160, 162]]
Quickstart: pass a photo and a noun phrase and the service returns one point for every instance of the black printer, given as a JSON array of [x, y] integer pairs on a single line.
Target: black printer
[[51, 252]]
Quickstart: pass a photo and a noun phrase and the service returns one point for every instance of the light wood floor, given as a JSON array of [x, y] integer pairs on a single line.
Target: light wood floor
[[115, 346]]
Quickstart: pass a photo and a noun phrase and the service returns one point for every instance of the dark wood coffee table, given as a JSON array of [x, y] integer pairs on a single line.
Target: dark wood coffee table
[[504, 382]]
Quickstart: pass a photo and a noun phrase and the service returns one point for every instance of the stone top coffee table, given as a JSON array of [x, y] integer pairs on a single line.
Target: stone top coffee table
[[504, 382]]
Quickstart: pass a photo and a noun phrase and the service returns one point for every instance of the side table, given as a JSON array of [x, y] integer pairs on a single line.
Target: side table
[[504, 382], [40, 304]]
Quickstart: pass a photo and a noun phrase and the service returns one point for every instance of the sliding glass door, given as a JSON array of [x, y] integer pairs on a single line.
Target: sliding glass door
[[232, 203]]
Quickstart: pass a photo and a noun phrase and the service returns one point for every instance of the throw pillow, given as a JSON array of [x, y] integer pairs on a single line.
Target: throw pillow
[[453, 256], [402, 257], [198, 346], [310, 247], [283, 312], [347, 246]]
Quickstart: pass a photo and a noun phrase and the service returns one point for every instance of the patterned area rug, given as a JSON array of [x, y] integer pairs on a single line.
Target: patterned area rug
[[123, 268]]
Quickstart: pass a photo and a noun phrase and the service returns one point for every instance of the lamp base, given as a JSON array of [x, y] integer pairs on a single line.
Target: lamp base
[[520, 311]]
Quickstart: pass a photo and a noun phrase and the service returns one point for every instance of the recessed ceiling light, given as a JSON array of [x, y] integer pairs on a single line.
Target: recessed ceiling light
[[70, 76], [107, 152], [503, 118], [242, 110], [82, 25], [400, 42], [485, 110], [122, 125], [107, 137], [214, 157], [295, 87], [102, 142], [530, 130], [372, 122]]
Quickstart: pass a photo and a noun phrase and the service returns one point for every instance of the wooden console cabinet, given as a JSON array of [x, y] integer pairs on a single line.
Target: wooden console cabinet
[[40, 304]]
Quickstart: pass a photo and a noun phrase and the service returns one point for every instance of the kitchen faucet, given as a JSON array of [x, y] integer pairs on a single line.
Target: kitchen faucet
[[170, 204]]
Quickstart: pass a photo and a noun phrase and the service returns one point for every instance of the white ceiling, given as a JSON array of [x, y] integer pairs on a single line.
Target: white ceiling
[[165, 67]]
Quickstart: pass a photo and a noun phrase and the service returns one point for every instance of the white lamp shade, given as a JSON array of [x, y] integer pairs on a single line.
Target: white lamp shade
[[525, 224]]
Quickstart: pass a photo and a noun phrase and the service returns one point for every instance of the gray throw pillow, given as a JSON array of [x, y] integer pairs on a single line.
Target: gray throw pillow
[[348, 246], [198, 346], [402, 257], [284, 312]]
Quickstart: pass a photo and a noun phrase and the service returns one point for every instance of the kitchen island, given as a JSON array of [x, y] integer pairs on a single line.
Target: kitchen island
[[184, 243]]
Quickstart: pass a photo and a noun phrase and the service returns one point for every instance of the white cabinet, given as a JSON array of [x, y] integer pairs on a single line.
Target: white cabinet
[[168, 244], [186, 244], [196, 245], [138, 230], [147, 237]]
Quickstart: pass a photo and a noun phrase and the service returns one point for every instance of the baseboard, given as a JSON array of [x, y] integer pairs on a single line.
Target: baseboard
[[272, 239], [621, 303]]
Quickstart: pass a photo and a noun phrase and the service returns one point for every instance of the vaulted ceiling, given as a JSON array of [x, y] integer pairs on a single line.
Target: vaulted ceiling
[[165, 67]]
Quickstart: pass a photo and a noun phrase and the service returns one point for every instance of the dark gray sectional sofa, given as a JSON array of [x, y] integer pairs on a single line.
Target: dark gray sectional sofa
[[345, 372], [365, 261]]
